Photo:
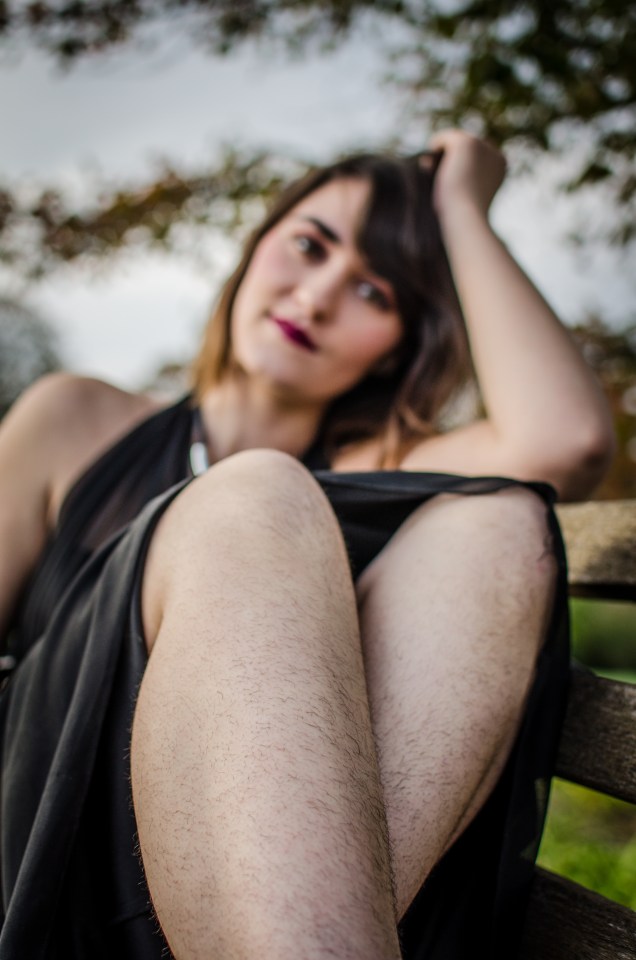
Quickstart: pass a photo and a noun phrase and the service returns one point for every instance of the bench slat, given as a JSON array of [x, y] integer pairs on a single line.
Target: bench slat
[[567, 922], [598, 740], [597, 748], [601, 546]]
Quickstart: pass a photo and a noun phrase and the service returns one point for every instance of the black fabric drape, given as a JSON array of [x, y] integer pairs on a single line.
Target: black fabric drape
[[72, 883]]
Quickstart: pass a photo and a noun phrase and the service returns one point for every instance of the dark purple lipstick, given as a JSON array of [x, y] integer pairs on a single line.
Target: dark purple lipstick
[[294, 333]]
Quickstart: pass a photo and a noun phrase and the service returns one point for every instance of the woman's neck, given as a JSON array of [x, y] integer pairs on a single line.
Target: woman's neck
[[241, 415]]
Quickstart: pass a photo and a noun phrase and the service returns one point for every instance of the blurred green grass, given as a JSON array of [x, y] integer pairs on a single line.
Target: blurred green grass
[[604, 634], [591, 838]]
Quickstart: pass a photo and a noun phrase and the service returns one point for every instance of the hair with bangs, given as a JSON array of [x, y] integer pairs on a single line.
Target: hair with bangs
[[401, 241]]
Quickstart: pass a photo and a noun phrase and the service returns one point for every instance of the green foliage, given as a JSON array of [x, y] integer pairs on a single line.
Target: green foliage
[[604, 634], [538, 73], [591, 839], [70, 29], [612, 355], [525, 65], [522, 70], [39, 232]]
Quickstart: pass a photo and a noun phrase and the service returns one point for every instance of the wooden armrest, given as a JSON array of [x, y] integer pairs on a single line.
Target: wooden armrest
[[600, 537], [567, 922]]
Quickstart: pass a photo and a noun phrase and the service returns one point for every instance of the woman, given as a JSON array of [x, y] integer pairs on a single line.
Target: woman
[[319, 725]]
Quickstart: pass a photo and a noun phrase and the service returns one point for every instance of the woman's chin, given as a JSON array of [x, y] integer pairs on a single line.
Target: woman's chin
[[280, 382], [276, 375], [288, 377]]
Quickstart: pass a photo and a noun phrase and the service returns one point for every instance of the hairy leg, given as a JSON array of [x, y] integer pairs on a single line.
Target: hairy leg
[[452, 614], [254, 774]]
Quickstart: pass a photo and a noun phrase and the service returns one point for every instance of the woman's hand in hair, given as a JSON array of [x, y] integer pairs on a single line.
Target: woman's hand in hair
[[470, 172], [546, 418]]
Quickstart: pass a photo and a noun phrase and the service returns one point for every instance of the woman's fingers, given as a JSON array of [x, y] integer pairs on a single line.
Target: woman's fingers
[[470, 170]]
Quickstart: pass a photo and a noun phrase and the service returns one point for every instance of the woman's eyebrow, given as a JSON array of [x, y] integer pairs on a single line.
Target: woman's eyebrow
[[325, 230]]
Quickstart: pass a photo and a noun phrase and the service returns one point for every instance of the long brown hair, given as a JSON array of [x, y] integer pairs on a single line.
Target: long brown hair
[[400, 239]]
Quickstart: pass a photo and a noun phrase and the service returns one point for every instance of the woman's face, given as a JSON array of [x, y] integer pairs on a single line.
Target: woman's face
[[309, 315]]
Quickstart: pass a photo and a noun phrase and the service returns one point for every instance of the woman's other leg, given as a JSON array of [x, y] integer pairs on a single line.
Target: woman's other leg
[[255, 781], [452, 612]]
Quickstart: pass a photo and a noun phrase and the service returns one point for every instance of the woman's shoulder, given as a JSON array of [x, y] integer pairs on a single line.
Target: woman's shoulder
[[71, 420], [65, 390], [80, 412]]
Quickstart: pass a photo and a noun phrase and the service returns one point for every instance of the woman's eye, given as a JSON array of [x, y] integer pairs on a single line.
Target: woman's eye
[[308, 246], [369, 291]]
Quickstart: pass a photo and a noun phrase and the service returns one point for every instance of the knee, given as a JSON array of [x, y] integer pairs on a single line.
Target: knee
[[508, 533], [513, 525], [252, 490], [501, 538], [247, 505], [251, 518]]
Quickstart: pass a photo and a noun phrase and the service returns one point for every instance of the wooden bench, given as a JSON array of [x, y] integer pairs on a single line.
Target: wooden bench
[[597, 748]]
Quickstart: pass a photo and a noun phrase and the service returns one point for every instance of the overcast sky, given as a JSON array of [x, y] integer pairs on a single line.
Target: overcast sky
[[119, 116]]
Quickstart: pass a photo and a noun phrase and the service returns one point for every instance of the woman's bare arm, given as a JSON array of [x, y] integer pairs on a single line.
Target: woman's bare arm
[[546, 417], [24, 488], [50, 436]]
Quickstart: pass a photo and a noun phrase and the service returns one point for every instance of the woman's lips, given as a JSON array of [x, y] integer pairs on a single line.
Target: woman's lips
[[294, 333]]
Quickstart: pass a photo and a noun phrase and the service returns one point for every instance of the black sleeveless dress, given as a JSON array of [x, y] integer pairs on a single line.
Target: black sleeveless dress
[[72, 884]]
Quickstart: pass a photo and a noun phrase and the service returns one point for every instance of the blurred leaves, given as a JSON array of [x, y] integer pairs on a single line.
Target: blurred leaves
[[557, 76], [612, 355], [71, 29], [545, 75], [40, 230]]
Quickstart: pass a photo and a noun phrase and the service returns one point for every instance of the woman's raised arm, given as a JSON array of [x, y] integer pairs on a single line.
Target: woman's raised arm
[[546, 417]]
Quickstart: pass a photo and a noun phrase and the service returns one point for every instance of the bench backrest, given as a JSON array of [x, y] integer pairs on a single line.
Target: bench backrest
[[598, 745]]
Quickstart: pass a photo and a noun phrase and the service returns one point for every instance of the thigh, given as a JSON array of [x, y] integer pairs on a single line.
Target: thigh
[[251, 518], [253, 766], [452, 612]]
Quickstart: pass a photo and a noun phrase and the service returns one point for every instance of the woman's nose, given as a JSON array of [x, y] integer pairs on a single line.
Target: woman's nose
[[317, 291]]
